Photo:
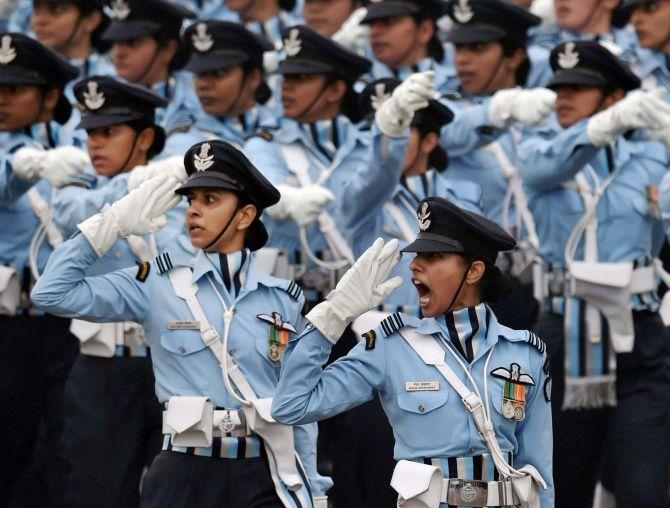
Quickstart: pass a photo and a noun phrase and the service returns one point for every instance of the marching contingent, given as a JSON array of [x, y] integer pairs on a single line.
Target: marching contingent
[[335, 253]]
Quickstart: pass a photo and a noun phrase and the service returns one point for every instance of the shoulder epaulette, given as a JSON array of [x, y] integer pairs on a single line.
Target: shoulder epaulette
[[293, 290], [181, 123], [163, 262], [263, 134], [143, 271], [536, 342], [391, 324]]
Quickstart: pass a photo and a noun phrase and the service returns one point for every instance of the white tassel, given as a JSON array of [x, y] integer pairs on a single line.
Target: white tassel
[[589, 393]]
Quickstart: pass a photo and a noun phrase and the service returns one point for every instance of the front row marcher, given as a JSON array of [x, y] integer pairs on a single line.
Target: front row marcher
[[424, 370], [218, 329], [593, 190]]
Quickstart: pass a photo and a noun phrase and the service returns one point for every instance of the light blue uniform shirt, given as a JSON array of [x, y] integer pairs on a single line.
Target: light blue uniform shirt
[[183, 364], [653, 69], [427, 424]]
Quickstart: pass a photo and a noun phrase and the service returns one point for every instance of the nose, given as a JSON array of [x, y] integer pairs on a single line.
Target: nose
[[415, 265], [193, 210], [202, 83]]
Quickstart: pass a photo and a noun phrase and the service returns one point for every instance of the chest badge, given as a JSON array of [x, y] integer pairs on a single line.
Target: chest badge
[[514, 391], [279, 335]]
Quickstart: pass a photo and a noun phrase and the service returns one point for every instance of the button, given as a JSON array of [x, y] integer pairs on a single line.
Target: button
[[422, 408], [232, 352], [181, 349]]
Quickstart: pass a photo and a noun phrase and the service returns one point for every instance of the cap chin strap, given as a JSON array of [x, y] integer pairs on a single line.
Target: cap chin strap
[[225, 228], [458, 291], [493, 74], [411, 46], [240, 89], [151, 63], [125, 167], [311, 105], [70, 37]]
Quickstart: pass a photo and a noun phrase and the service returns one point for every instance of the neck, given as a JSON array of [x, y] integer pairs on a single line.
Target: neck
[[261, 11], [328, 113], [78, 50], [231, 246], [467, 298], [418, 168], [414, 57], [156, 75], [600, 23]]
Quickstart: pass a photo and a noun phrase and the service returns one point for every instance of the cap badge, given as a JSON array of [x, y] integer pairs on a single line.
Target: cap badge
[[423, 216], [203, 161], [293, 44], [202, 41], [569, 57], [7, 52], [463, 13], [379, 97], [121, 8], [93, 98]]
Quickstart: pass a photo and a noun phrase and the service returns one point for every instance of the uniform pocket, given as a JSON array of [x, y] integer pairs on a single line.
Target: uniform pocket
[[422, 402], [182, 342]]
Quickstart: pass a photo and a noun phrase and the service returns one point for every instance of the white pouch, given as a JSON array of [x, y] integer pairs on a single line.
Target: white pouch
[[418, 485], [10, 291], [607, 286], [321, 502], [189, 421], [96, 339], [133, 335], [527, 487], [277, 437], [273, 262]]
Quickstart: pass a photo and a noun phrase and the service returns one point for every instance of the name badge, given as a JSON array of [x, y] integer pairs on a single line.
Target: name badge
[[183, 325], [422, 386]]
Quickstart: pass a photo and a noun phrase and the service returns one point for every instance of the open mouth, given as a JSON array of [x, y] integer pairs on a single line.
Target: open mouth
[[195, 229], [424, 292]]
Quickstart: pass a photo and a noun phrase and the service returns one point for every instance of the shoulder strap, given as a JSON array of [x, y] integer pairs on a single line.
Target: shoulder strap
[[297, 162], [408, 232], [44, 214]]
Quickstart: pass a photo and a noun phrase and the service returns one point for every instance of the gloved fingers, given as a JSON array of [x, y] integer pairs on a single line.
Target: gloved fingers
[[156, 224], [356, 17], [383, 290], [321, 195], [370, 254], [166, 198], [389, 256], [658, 93]]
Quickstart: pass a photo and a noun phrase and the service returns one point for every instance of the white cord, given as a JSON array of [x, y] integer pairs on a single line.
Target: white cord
[[327, 265]]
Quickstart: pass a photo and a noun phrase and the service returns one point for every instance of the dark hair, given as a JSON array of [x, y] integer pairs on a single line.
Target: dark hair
[[495, 284], [100, 45], [163, 37], [509, 47], [435, 47], [159, 136]]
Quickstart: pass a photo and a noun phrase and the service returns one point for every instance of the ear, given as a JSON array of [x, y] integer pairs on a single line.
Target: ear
[[336, 91], [92, 21], [145, 140], [168, 51], [254, 79], [609, 5], [426, 30], [476, 272], [429, 142], [613, 98], [50, 99], [246, 215], [515, 61]]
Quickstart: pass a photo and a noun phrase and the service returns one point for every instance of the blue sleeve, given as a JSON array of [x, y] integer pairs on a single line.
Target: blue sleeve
[[305, 445], [372, 185], [267, 157], [64, 290], [307, 393], [664, 202], [470, 129], [11, 187], [545, 164], [74, 204], [534, 434]]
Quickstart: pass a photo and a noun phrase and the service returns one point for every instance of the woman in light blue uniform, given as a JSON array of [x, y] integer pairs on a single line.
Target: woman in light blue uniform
[[112, 377], [411, 364], [594, 194], [227, 65], [35, 156], [218, 329]]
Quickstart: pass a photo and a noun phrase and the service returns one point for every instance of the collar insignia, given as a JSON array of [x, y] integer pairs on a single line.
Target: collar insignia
[[569, 57], [293, 44], [202, 41], [204, 160], [93, 98], [121, 9], [513, 375], [7, 52], [379, 97], [423, 216], [463, 13], [277, 321]]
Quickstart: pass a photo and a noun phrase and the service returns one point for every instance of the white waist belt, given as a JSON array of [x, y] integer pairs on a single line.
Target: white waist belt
[[476, 493]]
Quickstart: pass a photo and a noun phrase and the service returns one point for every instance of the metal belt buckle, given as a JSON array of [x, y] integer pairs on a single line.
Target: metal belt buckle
[[468, 493]]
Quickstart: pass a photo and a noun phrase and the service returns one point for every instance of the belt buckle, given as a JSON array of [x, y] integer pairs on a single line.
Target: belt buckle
[[468, 493]]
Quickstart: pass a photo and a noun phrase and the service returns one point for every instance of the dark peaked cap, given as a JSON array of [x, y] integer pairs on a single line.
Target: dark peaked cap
[[427, 9], [307, 52], [215, 45], [488, 20], [139, 18], [106, 101], [445, 227], [588, 63]]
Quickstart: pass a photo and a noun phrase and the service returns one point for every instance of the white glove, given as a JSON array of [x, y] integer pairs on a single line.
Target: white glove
[[302, 205], [642, 110], [529, 107], [172, 166], [58, 165], [362, 288], [141, 212], [270, 61], [395, 114], [352, 35]]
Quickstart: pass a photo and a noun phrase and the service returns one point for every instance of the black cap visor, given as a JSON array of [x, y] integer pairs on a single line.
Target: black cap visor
[[209, 180], [578, 77], [95, 121], [218, 60], [304, 66], [389, 9], [470, 34], [127, 30], [430, 242], [12, 75]]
